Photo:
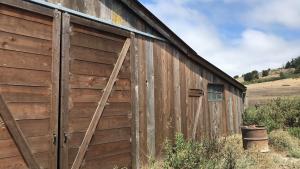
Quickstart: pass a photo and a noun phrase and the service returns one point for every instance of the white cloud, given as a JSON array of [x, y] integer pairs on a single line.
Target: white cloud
[[253, 49], [283, 12]]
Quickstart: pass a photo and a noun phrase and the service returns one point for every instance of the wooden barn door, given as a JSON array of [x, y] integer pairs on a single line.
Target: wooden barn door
[[29, 74], [96, 96]]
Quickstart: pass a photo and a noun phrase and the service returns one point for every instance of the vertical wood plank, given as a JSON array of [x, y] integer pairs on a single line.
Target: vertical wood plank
[[183, 95], [142, 101], [158, 97], [64, 96], [17, 135], [205, 105], [171, 93], [55, 87], [134, 62], [176, 91], [150, 100]]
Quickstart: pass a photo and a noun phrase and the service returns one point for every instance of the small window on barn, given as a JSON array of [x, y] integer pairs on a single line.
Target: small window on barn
[[215, 92]]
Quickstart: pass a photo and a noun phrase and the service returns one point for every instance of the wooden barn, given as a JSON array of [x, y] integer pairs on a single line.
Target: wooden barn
[[94, 84]]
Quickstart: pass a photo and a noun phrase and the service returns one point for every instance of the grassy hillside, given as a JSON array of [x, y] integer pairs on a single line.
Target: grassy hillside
[[261, 93]]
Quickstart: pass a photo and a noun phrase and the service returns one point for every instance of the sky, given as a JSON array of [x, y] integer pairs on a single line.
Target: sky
[[237, 36]]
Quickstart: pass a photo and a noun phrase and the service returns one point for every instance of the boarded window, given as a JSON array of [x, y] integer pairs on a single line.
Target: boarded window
[[215, 92]]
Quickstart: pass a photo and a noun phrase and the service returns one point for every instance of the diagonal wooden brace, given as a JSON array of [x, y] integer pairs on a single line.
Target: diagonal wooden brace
[[97, 115], [196, 120], [17, 135]]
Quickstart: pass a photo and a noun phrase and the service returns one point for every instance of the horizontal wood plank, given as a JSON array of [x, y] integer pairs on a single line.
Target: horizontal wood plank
[[21, 43], [87, 109], [24, 90], [92, 55], [88, 95], [101, 137], [93, 42], [30, 128], [37, 145], [98, 33], [22, 60], [22, 111], [24, 77], [26, 15], [94, 82], [17, 162], [96, 69], [24, 27], [102, 150], [26, 98], [115, 122]]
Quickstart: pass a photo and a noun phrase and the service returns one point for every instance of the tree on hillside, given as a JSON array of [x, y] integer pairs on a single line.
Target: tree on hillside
[[294, 63], [236, 76], [251, 76], [255, 74], [288, 65], [265, 73]]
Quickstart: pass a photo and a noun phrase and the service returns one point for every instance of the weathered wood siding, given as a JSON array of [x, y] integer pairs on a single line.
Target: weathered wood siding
[[165, 76], [89, 57], [174, 110], [162, 74], [28, 83]]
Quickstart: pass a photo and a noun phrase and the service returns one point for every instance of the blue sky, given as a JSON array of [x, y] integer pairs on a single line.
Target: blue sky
[[236, 35]]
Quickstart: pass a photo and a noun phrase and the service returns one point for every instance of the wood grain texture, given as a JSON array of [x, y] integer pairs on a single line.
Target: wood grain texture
[[134, 60], [99, 110], [150, 100], [17, 135], [64, 93]]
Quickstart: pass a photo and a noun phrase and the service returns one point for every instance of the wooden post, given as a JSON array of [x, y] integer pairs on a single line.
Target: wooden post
[[97, 115], [56, 31], [134, 62], [64, 95], [17, 135], [150, 109]]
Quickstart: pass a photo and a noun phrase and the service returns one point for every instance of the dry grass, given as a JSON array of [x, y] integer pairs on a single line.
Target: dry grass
[[261, 93], [250, 160]]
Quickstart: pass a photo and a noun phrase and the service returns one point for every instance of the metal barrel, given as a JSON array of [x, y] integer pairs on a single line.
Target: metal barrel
[[255, 138]]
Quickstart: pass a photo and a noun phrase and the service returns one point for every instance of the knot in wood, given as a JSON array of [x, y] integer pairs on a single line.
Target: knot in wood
[[4, 44], [12, 39]]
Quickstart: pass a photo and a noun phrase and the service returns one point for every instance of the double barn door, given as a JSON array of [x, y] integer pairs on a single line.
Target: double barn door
[[65, 91]]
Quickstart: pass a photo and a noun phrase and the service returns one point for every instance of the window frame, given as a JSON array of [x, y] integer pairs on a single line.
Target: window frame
[[215, 92]]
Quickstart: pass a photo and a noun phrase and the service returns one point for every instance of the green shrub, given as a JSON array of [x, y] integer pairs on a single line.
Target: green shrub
[[279, 113], [183, 154], [294, 131], [208, 154]]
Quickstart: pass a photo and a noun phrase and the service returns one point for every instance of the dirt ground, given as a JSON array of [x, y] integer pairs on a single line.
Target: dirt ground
[[261, 93]]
